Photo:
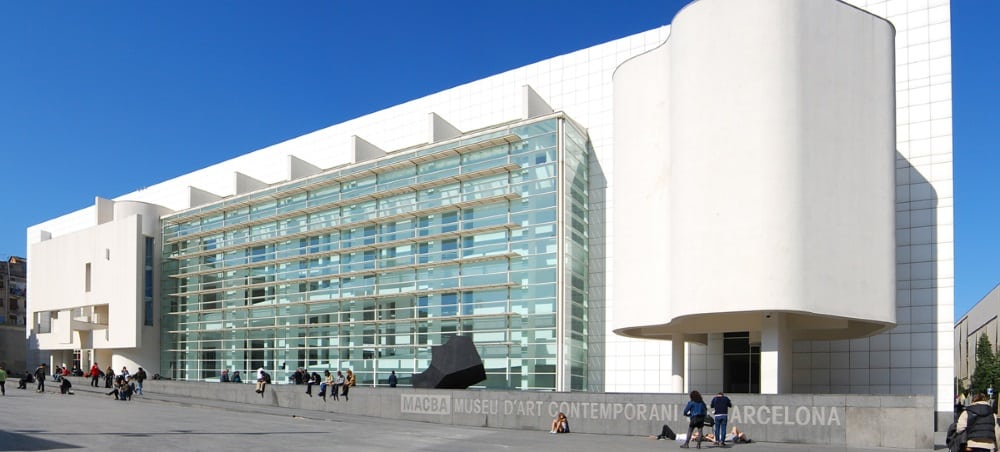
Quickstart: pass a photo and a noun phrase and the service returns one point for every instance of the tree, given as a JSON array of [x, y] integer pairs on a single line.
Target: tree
[[987, 369]]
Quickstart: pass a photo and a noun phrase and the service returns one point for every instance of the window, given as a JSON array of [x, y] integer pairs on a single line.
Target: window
[[44, 322], [86, 277], [147, 284]]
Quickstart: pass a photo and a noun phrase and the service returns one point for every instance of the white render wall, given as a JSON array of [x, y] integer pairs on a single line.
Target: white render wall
[[919, 349], [917, 356], [765, 156], [114, 251]]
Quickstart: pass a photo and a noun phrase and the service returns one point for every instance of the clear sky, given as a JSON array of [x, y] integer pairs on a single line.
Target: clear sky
[[103, 98]]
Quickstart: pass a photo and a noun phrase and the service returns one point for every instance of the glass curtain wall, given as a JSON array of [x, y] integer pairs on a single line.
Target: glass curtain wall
[[369, 266]]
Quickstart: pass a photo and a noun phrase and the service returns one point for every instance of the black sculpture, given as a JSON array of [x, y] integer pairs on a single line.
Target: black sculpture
[[454, 365]]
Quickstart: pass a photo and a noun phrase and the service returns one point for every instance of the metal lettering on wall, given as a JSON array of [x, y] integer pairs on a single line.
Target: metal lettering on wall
[[785, 415], [665, 412], [425, 404]]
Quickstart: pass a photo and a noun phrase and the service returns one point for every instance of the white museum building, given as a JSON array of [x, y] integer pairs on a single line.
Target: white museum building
[[756, 198]]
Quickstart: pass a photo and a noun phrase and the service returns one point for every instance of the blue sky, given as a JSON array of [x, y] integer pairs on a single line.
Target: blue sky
[[103, 98]]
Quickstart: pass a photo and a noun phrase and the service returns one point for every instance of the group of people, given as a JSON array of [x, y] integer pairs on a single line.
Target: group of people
[[302, 376], [234, 378], [41, 373], [341, 384], [123, 385], [697, 411]]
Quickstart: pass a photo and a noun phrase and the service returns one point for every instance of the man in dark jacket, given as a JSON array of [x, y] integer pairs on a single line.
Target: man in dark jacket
[[40, 377], [721, 405], [139, 377], [980, 425]]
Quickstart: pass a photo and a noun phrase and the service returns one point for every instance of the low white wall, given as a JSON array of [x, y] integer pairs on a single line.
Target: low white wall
[[847, 420]]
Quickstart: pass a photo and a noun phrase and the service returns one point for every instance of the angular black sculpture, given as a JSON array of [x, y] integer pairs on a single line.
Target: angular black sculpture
[[454, 365]]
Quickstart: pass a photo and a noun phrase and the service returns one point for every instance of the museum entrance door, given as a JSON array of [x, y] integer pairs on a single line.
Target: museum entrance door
[[740, 364]]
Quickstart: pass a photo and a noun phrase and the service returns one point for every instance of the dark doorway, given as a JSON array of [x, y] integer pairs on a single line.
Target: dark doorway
[[740, 364]]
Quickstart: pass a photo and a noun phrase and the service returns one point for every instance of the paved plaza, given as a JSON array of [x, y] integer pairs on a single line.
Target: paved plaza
[[91, 421]]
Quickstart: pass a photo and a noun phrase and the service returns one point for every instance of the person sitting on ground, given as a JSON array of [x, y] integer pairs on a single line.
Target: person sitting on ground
[[224, 378], [736, 436], [127, 389], [560, 424], [236, 377], [116, 388], [64, 386], [695, 436], [666, 433], [22, 383]]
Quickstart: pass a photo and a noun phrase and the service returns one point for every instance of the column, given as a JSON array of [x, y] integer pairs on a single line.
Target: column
[[677, 367], [775, 355]]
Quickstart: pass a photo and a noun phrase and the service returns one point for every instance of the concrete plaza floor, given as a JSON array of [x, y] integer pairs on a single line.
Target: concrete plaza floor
[[89, 420]]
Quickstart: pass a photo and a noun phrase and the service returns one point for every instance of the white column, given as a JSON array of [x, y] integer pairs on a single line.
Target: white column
[[775, 355], [677, 367]]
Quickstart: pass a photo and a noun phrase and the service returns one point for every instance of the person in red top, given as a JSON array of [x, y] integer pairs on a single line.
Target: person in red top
[[95, 374], [65, 371]]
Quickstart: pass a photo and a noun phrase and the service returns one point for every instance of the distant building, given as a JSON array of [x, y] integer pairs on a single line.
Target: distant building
[[981, 319], [13, 312]]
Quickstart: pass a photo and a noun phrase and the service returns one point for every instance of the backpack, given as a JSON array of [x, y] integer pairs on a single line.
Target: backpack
[[955, 441]]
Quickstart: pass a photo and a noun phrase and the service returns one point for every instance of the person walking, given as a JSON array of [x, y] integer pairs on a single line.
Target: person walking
[[139, 377], [720, 408], [40, 377], [95, 374], [109, 377], [979, 424], [393, 380], [3, 379], [696, 411]]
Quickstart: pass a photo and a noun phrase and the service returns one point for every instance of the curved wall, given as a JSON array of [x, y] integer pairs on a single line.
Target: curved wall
[[771, 176]]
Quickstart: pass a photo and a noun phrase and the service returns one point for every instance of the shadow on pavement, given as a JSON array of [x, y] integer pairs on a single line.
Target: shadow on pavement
[[19, 441]]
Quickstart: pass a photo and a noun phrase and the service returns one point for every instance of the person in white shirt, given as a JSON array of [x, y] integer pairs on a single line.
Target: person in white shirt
[[261, 381]]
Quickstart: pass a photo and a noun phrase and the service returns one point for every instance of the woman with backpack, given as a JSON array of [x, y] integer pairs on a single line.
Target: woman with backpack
[[697, 411]]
